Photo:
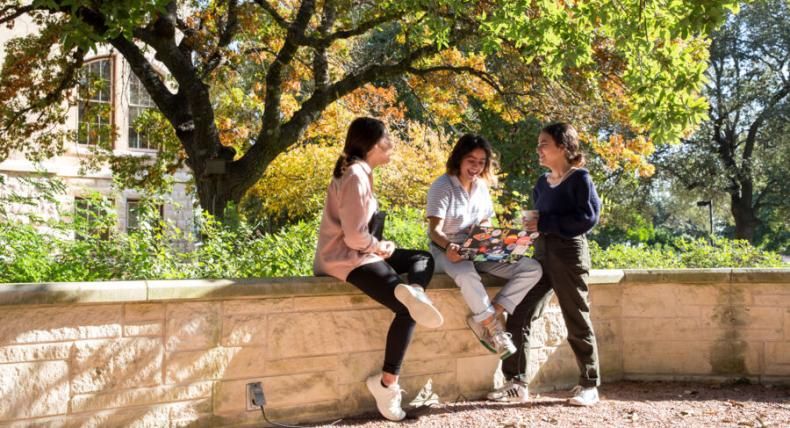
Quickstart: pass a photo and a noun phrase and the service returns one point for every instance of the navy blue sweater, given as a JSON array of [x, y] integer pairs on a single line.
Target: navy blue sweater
[[570, 209]]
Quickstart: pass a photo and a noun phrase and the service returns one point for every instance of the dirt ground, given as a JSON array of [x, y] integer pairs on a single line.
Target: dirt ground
[[634, 404]]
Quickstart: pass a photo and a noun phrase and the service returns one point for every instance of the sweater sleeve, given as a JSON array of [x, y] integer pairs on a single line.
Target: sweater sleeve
[[354, 199], [587, 207]]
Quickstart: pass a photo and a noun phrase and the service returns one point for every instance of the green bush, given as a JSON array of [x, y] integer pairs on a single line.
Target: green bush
[[237, 249], [683, 253]]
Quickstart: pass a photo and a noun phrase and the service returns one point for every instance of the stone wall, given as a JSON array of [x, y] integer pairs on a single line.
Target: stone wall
[[154, 353]]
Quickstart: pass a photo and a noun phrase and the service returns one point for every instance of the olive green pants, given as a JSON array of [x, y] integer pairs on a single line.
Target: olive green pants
[[566, 268]]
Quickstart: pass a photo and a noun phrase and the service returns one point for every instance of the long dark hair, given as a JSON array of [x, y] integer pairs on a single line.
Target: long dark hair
[[465, 145], [363, 134], [565, 136]]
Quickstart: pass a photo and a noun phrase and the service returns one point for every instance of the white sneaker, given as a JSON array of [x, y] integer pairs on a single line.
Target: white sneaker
[[419, 305], [510, 392], [387, 398], [493, 336], [584, 396]]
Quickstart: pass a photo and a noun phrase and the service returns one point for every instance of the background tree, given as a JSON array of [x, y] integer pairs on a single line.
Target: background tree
[[283, 63], [743, 150]]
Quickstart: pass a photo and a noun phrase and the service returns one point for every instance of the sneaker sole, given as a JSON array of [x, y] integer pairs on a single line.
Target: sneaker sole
[[580, 404], [423, 313], [508, 400]]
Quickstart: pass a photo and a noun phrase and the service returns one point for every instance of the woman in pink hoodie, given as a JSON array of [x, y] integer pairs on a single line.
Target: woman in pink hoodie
[[348, 251]]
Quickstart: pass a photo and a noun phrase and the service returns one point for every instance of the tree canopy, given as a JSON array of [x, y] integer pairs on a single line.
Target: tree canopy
[[250, 78]]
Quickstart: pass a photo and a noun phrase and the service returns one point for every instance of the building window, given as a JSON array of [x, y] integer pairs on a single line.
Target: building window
[[134, 214], [139, 102], [94, 109], [90, 216]]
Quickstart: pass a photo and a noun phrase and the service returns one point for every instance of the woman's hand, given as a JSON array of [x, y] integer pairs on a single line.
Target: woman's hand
[[530, 225], [453, 253], [385, 249]]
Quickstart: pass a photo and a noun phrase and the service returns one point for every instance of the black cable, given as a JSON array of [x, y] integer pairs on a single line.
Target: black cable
[[289, 426]]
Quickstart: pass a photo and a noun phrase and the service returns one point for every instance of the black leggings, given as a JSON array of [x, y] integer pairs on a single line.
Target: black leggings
[[378, 280]]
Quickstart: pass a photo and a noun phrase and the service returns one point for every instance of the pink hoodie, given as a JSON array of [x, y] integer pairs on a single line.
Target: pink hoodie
[[344, 242]]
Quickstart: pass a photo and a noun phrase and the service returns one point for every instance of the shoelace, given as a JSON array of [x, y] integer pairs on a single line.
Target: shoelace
[[396, 394], [577, 390]]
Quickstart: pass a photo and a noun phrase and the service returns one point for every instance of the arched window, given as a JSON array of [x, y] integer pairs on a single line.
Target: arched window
[[94, 109], [139, 101]]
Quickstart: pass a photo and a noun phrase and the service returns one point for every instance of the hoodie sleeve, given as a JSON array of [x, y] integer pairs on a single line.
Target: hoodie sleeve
[[355, 196]]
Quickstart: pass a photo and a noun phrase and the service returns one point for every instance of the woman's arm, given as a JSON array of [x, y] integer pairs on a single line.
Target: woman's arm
[[354, 200], [435, 225]]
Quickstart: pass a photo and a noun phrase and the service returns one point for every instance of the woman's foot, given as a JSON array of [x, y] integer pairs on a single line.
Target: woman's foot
[[388, 398], [584, 396], [419, 305], [512, 391], [493, 336]]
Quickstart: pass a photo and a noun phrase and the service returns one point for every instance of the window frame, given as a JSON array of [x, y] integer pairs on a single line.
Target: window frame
[[111, 102]]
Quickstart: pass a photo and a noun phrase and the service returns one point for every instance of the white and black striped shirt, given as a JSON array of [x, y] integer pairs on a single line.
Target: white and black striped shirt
[[447, 199]]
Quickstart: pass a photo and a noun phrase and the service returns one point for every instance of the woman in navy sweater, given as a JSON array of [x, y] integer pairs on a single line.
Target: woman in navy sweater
[[568, 207]]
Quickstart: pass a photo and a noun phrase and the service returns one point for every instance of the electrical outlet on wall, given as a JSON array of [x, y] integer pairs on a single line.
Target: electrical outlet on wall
[[255, 397]]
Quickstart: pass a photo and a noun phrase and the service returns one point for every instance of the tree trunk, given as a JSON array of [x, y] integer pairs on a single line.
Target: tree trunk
[[746, 220]]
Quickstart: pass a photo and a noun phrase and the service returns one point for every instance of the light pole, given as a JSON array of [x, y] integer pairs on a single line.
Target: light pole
[[709, 203]]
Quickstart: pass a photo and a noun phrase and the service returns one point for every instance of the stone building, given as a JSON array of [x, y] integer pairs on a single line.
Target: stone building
[[119, 101]]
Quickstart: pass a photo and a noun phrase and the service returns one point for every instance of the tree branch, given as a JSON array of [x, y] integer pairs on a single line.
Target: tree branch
[[66, 81], [10, 13], [273, 13], [271, 113]]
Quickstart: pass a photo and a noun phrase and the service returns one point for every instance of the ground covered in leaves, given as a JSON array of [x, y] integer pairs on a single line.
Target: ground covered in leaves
[[642, 404]]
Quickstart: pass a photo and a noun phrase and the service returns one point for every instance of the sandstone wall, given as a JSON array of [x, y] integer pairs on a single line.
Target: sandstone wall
[[178, 353]]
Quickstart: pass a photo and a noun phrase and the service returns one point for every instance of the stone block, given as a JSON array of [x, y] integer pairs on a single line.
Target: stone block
[[438, 343], [453, 308], [181, 414], [605, 295], [305, 334], [760, 317], [139, 397], [667, 357], [35, 352], [35, 389], [143, 328], [334, 303], [258, 306], [548, 330], [243, 329], [600, 312], [777, 276], [777, 353], [775, 300], [445, 385], [58, 324], [476, 374], [102, 365], [786, 327], [192, 326], [428, 367], [356, 367], [231, 396], [214, 364], [288, 366], [690, 329], [144, 312], [725, 316], [667, 300]]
